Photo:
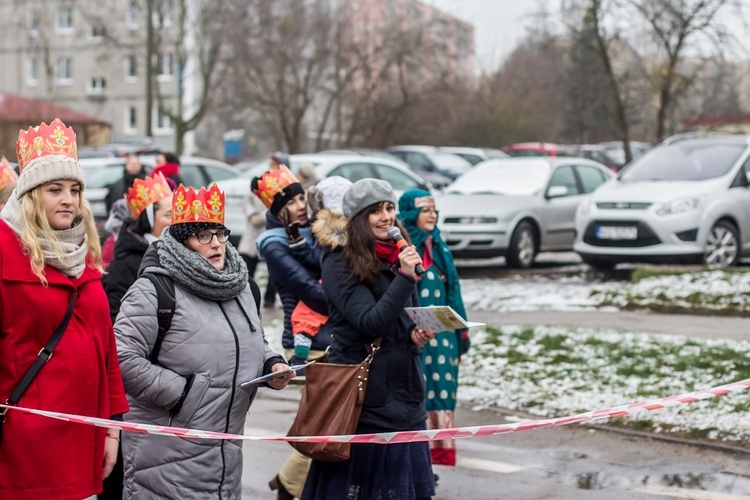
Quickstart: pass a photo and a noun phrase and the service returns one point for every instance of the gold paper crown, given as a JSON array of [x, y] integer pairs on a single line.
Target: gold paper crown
[[203, 206], [46, 140], [271, 183], [7, 174], [147, 191]]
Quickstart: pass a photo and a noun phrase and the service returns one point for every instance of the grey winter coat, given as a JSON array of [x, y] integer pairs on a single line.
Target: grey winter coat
[[211, 343]]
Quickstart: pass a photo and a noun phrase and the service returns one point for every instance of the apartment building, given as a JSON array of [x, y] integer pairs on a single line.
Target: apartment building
[[89, 56]]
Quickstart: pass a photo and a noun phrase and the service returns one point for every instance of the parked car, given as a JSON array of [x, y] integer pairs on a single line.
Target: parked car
[[517, 207], [100, 173], [351, 167], [534, 149], [473, 155], [363, 152], [440, 169], [113, 150], [592, 152], [687, 200], [616, 150]]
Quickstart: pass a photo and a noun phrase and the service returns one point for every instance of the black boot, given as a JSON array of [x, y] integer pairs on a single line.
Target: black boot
[[276, 484]]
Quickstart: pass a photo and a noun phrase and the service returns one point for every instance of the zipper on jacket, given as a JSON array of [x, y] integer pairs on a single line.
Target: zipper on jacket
[[231, 399]]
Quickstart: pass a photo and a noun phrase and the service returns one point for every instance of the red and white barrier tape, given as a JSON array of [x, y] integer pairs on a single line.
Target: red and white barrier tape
[[408, 436]]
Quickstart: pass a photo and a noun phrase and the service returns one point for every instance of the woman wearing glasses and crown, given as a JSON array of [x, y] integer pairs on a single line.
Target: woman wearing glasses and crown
[[215, 342]]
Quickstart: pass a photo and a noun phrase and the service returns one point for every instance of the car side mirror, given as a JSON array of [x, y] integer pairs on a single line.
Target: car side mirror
[[557, 191]]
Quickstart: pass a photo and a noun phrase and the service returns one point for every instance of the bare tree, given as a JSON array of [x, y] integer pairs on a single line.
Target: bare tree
[[678, 26]]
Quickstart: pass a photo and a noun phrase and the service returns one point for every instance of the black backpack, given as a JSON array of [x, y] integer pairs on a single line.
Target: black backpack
[[165, 300]]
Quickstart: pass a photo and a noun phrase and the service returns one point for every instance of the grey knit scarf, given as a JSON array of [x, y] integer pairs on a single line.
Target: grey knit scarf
[[193, 272]]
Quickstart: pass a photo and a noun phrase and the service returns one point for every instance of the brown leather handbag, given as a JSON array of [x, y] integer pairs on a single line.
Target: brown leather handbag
[[331, 405]]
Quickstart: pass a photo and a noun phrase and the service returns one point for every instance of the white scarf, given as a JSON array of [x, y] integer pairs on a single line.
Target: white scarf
[[74, 241]]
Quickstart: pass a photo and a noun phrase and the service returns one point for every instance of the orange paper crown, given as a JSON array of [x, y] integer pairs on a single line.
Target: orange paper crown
[[147, 191], [46, 140], [203, 206], [271, 183], [7, 174]]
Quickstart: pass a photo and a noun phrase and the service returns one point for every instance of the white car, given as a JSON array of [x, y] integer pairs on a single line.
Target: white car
[[354, 168], [474, 155], [687, 200], [517, 207], [101, 173]]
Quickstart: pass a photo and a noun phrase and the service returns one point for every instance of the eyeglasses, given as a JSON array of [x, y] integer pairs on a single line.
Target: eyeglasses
[[205, 237]]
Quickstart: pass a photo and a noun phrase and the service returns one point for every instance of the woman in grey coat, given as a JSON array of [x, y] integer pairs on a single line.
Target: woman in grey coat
[[215, 343]]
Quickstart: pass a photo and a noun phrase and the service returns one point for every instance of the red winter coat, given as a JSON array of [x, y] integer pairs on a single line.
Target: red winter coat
[[41, 457]]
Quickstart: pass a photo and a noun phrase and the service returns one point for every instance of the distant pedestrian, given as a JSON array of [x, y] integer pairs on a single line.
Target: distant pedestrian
[[306, 175], [168, 164], [439, 286], [133, 170]]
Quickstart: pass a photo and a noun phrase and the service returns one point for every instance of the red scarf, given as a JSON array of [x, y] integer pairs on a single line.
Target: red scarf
[[386, 251], [427, 257], [167, 169]]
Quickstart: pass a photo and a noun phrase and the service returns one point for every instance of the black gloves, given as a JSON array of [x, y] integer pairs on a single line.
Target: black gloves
[[292, 231]]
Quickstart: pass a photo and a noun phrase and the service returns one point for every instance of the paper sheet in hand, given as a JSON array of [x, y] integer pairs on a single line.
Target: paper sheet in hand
[[249, 383], [437, 319]]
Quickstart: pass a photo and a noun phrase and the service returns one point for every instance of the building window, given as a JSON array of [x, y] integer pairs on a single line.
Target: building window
[[97, 85], [165, 66], [131, 119], [131, 68], [64, 71], [64, 21], [33, 23], [163, 13], [133, 15], [162, 123], [32, 72], [97, 32]]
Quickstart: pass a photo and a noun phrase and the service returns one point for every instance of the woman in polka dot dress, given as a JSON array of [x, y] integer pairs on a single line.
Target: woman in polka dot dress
[[439, 286]]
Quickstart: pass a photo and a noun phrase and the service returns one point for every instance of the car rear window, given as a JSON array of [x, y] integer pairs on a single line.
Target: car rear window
[[684, 161]]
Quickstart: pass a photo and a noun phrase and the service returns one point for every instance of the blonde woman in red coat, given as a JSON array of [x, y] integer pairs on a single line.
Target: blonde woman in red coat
[[49, 252]]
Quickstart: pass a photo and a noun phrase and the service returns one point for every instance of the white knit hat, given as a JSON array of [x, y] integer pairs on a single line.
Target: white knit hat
[[47, 169]]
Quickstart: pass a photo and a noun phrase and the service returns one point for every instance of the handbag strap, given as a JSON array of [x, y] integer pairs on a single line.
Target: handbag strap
[[45, 353]]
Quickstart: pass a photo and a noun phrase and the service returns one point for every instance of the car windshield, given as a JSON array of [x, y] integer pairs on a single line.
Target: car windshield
[[684, 161], [507, 177]]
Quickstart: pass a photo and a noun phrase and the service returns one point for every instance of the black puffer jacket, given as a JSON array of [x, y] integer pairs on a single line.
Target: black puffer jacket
[[123, 271], [359, 314]]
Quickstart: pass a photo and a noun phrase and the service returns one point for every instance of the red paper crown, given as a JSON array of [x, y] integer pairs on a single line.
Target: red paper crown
[[203, 206], [271, 183], [147, 191], [46, 140], [7, 175]]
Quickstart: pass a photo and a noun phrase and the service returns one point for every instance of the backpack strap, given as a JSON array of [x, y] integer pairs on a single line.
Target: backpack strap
[[165, 301], [256, 293]]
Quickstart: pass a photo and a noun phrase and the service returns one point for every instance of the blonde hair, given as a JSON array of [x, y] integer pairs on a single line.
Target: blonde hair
[[6, 191], [36, 225]]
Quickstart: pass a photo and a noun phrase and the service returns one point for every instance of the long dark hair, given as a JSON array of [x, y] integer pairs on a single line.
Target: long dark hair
[[359, 253]]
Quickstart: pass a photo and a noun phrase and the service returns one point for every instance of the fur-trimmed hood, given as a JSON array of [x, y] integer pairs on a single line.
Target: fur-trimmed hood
[[330, 229]]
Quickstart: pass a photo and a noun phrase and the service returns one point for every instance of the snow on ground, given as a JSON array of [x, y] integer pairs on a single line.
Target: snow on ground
[[513, 369], [532, 293]]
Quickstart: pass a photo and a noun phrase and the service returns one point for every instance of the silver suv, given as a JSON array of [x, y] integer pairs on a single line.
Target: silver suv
[[687, 200]]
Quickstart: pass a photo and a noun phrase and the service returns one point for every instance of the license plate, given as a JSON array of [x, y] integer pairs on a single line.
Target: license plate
[[617, 232]]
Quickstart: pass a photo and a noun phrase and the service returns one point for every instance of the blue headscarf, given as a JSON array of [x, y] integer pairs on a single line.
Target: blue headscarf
[[441, 255]]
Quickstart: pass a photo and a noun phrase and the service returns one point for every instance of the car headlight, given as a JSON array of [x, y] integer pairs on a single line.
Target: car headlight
[[584, 206], [680, 205]]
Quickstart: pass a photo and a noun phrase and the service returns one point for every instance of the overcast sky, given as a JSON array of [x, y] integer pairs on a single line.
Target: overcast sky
[[498, 24]]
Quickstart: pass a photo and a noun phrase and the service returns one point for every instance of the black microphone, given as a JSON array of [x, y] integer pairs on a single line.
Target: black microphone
[[394, 233]]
